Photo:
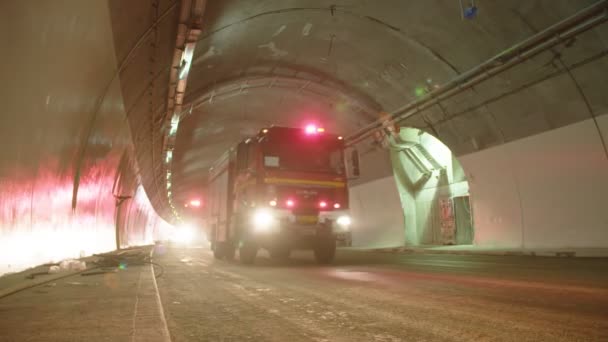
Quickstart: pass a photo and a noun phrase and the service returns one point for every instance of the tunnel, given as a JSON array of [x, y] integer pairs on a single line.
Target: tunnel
[[479, 125]]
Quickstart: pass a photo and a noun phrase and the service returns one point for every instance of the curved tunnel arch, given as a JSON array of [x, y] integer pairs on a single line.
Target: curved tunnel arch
[[49, 106], [243, 28], [342, 106]]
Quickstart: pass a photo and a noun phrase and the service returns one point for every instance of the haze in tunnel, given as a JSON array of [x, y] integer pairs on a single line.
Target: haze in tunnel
[[114, 110]]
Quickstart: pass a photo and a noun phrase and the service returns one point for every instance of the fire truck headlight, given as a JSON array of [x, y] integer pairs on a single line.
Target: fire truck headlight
[[262, 220], [183, 234], [343, 221]]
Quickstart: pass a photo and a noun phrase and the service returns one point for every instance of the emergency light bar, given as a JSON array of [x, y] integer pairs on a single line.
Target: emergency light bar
[[311, 129]]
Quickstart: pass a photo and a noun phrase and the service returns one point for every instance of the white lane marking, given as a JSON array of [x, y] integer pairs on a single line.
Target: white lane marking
[[145, 335], [353, 275], [134, 318], [445, 263], [149, 324], [159, 303]]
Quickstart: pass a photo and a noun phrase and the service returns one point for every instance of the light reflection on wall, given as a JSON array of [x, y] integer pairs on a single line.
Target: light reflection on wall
[[143, 226], [37, 224], [64, 124]]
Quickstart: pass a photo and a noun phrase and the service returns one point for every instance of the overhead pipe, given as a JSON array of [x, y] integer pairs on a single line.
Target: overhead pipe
[[189, 28], [568, 28]]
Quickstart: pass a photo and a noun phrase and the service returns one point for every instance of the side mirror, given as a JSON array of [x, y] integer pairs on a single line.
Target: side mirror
[[354, 160]]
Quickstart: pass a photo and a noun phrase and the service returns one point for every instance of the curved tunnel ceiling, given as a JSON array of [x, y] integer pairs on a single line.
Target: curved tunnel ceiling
[[258, 63]]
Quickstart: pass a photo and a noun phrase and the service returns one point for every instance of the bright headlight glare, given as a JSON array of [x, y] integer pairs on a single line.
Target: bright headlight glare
[[183, 234], [343, 221], [262, 218]]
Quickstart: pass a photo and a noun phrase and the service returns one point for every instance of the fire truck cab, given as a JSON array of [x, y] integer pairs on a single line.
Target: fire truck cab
[[284, 189]]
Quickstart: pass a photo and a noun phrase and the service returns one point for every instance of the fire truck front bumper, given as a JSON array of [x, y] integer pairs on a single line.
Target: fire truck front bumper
[[271, 225]]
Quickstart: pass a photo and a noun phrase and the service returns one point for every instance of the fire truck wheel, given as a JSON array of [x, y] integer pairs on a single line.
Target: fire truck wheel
[[229, 251], [280, 253], [217, 250], [247, 253], [223, 250], [325, 250]]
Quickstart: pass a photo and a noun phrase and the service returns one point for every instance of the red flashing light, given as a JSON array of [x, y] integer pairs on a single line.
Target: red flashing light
[[310, 129], [290, 203], [195, 203], [322, 204], [336, 205]]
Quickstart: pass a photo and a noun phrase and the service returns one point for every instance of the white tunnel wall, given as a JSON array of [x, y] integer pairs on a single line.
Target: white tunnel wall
[[547, 190], [544, 191], [57, 142], [420, 196], [375, 205], [377, 214], [392, 211]]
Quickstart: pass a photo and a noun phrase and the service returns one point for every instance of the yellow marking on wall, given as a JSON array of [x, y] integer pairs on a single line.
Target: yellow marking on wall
[[246, 184], [304, 182]]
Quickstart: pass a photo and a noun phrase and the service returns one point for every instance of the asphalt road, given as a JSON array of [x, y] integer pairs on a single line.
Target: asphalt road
[[368, 296]]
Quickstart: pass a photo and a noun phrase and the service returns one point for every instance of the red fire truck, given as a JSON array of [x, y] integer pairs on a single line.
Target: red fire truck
[[283, 189]]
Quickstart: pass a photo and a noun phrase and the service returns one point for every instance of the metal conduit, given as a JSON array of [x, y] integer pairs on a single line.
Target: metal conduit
[[578, 23], [189, 27]]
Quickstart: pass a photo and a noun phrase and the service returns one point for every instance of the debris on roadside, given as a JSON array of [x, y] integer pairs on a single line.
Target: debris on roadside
[[65, 265], [123, 258], [72, 265], [105, 263]]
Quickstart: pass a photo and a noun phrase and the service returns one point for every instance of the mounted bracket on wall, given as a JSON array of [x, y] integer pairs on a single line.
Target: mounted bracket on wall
[[120, 199], [468, 12]]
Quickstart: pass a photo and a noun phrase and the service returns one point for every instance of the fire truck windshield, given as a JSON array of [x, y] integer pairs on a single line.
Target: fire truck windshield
[[309, 156]]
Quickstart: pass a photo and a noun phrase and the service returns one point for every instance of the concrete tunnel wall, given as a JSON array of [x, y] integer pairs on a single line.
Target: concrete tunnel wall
[[421, 195], [62, 119], [543, 191], [64, 123]]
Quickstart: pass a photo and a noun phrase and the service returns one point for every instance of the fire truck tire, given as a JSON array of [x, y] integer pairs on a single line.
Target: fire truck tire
[[217, 253], [217, 250], [223, 250], [247, 253], [229, 251], [325, 250]]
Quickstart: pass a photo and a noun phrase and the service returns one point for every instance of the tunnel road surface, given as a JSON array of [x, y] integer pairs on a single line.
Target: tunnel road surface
[[367, 296]]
